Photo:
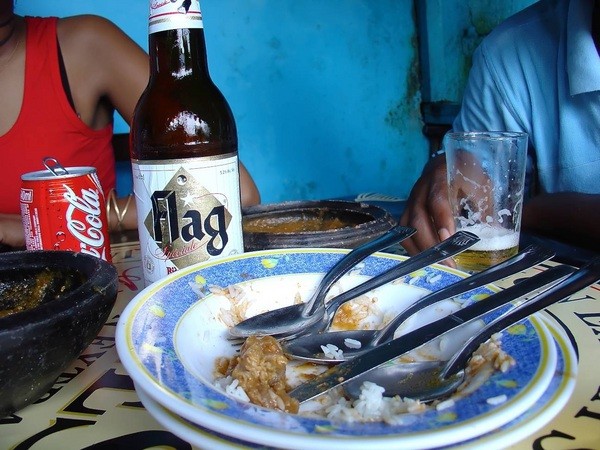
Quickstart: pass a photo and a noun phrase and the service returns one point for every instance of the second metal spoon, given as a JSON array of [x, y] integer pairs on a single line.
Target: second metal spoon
[[298, 319], [309, 347]]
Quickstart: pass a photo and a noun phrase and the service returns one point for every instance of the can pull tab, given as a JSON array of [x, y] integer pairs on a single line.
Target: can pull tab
[[54, 166]]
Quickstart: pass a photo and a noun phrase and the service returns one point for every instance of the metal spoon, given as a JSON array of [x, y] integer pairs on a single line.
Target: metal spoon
[[455, 244], [279, 321], [291, 321], [308, 347], [431, 380]]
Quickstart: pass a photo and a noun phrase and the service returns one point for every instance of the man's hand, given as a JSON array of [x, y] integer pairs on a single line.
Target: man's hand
[[427, 209]]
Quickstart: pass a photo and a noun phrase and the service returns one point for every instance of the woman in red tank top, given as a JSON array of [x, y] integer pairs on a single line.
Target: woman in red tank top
[[60, 82], [47, 110]]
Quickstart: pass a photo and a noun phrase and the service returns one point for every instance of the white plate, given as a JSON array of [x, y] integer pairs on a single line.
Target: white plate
[[545, 409], [547, 406], [168, 339], [188, 431]]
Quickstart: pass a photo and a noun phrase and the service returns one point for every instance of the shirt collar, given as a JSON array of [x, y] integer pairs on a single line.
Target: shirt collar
[[583, 63]]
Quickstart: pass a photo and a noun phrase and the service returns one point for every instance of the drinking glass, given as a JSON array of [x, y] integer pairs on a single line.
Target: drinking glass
[[486, 178]]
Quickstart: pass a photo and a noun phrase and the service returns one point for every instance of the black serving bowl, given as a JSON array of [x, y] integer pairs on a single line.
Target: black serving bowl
[[38, 343], [320, 223]]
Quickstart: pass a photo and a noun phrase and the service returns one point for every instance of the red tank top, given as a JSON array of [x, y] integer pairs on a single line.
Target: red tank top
[[47, 124]]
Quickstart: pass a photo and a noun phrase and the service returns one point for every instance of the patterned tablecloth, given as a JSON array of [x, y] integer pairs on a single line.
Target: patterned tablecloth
[[93, 405]]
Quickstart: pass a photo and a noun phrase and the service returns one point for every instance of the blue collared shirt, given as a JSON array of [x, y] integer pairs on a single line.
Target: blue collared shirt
[[539, 72]]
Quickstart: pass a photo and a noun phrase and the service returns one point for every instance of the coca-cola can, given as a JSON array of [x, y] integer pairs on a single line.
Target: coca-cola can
[[65, 210]]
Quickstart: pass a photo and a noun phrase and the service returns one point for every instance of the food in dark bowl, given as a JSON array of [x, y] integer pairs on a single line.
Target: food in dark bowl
[[26, 288], [320, 223], [52, 305]]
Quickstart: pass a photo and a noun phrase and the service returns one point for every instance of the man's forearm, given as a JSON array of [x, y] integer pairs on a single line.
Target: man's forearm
[[566, 216]]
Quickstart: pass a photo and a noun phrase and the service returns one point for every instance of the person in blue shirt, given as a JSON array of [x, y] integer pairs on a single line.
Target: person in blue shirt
[[537, 72]]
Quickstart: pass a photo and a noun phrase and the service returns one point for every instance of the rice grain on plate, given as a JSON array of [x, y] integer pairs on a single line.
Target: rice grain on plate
[[332, 351]]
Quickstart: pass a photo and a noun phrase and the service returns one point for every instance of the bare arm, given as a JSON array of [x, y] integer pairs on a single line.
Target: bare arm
[[566, 216], [103, 63], [250, 194], [11, 231]]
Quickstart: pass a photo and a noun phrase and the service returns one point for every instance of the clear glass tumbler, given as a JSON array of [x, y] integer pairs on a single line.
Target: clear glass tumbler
[[486, 178]]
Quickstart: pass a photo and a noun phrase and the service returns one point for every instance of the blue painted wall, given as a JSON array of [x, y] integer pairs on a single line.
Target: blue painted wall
[[326, 93], [449, 31]]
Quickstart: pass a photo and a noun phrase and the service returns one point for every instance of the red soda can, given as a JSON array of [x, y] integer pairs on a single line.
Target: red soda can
[[64, 209]]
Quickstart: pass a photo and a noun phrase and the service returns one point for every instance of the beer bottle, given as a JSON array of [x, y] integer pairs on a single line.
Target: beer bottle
[[183, 150]]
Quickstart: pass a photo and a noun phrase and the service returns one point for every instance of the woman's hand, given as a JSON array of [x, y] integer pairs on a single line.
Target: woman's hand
[[11, 231]]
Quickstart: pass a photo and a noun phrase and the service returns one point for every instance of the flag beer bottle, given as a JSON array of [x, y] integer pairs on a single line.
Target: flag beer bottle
[[183, 150]]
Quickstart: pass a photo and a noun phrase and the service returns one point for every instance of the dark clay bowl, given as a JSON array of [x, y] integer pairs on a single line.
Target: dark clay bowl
[[323, 223], [38, 343]]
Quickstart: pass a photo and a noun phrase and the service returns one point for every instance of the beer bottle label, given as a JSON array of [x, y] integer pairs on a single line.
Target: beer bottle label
[[189, 211], [174, 14]]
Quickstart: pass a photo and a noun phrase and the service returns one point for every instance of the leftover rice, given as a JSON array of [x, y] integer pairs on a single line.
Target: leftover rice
[[258, 373]]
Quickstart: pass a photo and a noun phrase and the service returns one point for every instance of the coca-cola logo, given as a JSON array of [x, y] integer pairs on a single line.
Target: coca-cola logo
[[84, 220]]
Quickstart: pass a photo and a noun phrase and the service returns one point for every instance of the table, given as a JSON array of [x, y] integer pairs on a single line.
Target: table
[[93, 405]]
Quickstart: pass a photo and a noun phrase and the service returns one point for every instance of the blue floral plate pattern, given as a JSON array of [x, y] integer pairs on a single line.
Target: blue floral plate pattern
[[545, 408], [170, 335]]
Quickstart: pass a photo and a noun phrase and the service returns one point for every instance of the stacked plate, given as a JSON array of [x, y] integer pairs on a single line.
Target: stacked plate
[[171, 335]]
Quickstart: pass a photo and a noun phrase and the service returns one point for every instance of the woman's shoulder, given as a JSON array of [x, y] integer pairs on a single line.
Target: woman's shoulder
[[88, 30], [86, 20], [95, 40]]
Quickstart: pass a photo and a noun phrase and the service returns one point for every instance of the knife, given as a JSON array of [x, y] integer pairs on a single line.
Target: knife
[[346, 371]]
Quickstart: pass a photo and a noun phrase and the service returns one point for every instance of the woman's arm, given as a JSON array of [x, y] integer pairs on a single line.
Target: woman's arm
[[250, 193], [102, 63]]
